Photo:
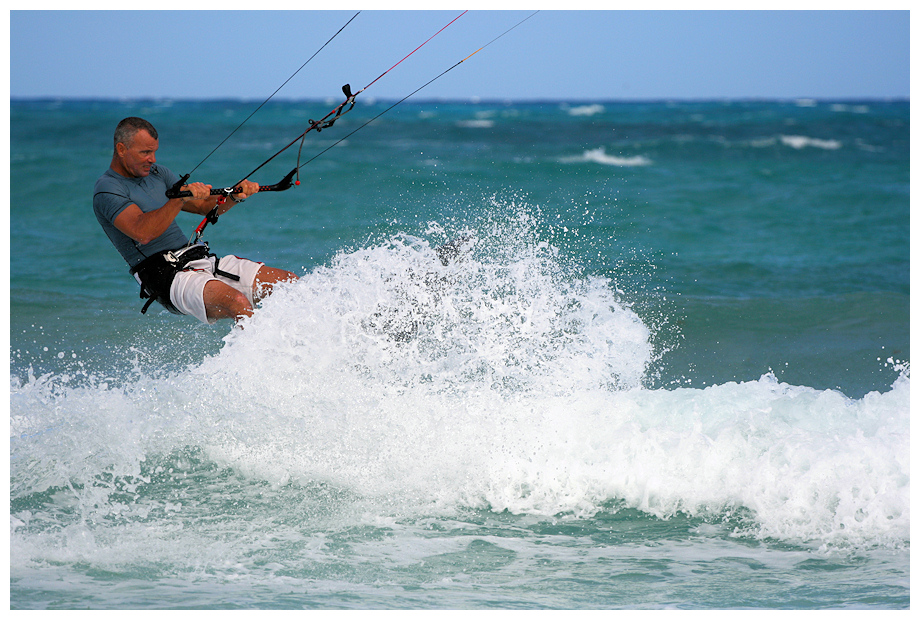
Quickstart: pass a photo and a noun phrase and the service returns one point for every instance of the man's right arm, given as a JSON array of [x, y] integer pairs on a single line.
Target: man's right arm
[[145, 227]]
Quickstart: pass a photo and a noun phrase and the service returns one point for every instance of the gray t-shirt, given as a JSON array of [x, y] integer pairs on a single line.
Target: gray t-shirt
[[114, 193]]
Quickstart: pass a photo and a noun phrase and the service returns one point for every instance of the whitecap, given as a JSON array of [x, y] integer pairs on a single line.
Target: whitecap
[[856, 109], [586, 110], [800, 142], [479, 123], [600, 156]]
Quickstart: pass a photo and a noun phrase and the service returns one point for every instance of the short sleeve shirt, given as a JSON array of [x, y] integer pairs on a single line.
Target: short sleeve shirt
[[114, 193]]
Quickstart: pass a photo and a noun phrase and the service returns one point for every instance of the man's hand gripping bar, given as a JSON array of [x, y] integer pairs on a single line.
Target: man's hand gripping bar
[[176, 192]]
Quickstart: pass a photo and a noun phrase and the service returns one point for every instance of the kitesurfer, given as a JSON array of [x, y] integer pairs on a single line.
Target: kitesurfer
[[131, 205]]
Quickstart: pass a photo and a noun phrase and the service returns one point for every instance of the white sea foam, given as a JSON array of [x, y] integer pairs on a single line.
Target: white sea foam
[[586, 110], [856, 109], [505, 380], [801, 142], [478, 123], [600, 156]]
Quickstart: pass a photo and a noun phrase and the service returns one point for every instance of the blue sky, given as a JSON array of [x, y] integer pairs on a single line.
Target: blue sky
[[565, 55]]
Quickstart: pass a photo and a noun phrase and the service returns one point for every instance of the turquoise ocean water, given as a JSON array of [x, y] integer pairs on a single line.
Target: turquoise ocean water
[[671, 369]]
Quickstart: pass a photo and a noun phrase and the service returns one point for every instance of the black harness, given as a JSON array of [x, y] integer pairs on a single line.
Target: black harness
[[156, 273]]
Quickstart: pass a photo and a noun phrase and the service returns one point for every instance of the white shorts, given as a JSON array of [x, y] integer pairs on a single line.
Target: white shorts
[[187, 290]]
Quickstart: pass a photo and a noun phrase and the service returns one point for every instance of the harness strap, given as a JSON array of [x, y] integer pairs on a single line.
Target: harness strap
[[225, 274], [149, 301], [156, 273]]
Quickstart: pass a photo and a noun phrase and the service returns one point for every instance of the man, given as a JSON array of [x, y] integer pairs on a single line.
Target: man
[[131, 205]]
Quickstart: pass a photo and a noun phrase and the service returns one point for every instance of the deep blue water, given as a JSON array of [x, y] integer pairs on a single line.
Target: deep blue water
[[672, 369]]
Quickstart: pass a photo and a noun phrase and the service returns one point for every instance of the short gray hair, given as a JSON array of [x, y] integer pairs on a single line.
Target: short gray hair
[[126, 129]]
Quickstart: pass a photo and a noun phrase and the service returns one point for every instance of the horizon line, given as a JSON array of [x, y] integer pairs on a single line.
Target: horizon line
[[475, 100]]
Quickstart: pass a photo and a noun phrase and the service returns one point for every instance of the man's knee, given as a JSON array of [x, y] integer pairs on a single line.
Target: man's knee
[[271, 275], [222, 301], [267, 277]]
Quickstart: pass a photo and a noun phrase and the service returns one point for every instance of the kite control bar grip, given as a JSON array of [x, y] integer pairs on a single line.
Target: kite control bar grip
[[175, 192], [215, 191], [280, 186]]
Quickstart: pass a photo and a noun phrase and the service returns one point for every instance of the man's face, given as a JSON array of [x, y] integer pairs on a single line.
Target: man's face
[[139, 155]]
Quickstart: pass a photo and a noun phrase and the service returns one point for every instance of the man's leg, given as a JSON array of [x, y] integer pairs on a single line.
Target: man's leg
[[222, 301], [266, 278]]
